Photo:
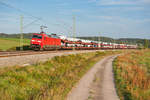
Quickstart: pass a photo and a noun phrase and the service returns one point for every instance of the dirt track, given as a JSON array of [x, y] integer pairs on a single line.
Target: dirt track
[[97, 84]]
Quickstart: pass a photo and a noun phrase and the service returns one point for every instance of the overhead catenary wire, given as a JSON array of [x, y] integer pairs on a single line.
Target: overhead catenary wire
[[35, 17], [22, 11], [27, 25], [18, 9]]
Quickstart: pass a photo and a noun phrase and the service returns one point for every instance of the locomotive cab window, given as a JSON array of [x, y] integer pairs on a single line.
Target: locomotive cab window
[[54, 36], [37, 36]]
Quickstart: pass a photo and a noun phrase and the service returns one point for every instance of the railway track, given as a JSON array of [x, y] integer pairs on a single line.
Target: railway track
[[22, 53]]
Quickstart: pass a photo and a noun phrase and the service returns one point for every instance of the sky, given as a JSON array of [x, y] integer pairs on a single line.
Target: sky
[[111, 18]]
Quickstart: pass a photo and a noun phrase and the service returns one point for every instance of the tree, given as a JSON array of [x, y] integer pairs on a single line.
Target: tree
[[146, 43]]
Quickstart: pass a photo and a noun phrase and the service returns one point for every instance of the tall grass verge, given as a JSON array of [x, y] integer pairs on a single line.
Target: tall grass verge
[[132, 75], [51, 80]]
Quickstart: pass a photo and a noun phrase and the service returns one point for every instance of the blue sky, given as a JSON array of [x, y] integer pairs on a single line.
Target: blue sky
[[113, 18]]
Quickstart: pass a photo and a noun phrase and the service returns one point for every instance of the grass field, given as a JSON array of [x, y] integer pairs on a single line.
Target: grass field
[[132, 75], [11, 43], [51, 80]]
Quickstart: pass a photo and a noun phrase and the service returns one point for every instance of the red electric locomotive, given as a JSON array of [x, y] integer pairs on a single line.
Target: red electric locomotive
[[43, 41]]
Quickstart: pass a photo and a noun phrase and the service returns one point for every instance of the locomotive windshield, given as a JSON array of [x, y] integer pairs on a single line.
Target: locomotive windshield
[[37, 36], [54, 36]]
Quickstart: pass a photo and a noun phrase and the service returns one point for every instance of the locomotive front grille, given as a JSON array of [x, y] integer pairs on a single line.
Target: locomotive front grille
[[35, 46]]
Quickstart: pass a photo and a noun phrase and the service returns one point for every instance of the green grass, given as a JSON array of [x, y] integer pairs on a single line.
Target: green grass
[[10, 43], [132, 75], [51, 80]]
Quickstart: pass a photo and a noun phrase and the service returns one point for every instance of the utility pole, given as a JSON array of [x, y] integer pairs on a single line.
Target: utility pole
[[74, 29], [99, 45], [21, 32], [114, 43], [70, 32]]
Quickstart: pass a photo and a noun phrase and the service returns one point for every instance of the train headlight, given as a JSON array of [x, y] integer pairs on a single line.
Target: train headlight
[[33, 40], [39, 41]]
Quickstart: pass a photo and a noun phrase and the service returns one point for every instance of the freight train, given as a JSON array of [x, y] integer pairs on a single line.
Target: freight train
[[42, 41]]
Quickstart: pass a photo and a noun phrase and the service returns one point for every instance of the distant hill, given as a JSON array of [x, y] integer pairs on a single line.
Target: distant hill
[[25, 35]]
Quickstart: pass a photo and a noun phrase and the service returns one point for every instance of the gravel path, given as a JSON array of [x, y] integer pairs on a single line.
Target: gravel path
[[33, 59], [97, 84]]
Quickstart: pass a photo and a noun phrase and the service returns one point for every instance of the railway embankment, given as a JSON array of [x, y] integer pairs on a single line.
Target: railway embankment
[[50, 80], [29, 58]]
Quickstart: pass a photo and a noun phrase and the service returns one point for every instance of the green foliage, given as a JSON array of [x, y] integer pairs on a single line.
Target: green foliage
[[146, 43]]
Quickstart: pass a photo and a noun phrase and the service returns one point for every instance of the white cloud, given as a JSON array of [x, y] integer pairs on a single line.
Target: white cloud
[[114, 2], [145, 1], [92, 1], [120, 2], [77, 10], [62, 4]]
